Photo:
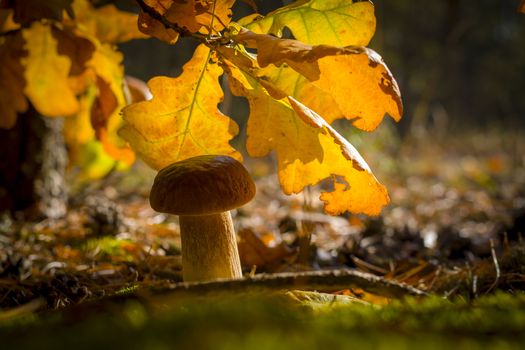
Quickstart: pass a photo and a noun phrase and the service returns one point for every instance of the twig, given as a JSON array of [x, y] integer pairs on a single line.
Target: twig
[[496, 266], [325, 280], [157, 16]]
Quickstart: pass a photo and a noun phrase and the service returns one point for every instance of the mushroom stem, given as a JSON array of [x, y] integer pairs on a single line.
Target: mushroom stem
[[209, 247]]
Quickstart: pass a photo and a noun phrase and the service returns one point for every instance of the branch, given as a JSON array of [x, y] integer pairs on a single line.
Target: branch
[[325, 280], [157, 16]]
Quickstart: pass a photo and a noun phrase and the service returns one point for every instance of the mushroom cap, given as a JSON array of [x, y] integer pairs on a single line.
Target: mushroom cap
[[201, 185]]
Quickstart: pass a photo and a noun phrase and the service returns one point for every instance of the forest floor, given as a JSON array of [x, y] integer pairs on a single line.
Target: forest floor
[[453, 231]]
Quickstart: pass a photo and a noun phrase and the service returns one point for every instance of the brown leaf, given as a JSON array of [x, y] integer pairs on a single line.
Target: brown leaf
[[103, 107], [253, 251], [77, 48], [193, 15]]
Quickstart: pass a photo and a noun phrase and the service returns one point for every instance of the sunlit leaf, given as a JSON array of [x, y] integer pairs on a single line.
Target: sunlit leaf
[[351, 77], [330, 22], [182, 120], [12, 82], [46, 73], [308, 149]]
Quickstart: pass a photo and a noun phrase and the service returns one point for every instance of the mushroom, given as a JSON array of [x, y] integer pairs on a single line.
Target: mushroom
[[202, 190]]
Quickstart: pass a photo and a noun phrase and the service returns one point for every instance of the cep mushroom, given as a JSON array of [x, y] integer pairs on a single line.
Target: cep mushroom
[[202, 190]]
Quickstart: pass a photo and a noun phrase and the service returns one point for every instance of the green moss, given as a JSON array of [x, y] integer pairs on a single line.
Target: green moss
[[495, 321]]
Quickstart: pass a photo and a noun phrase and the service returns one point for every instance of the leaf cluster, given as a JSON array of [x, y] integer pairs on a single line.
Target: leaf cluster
[[295, 89], [60, 56]]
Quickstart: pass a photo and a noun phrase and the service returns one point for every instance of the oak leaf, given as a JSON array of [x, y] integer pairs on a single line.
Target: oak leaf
[[182, 119], [192, 15], [332, 75], [12, 83], [46, 73], [307, 148], [334, 22]]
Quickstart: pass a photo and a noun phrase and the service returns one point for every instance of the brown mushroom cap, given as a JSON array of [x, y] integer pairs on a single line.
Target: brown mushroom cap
[[201, 185]]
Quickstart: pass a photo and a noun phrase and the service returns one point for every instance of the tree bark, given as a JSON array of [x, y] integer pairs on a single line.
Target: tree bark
[[33, 159]]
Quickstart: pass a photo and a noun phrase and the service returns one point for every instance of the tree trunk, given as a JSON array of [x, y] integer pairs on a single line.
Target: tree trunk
[[33, 158]]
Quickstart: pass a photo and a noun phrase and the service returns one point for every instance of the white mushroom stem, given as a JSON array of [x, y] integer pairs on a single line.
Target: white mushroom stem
[[209, 247]]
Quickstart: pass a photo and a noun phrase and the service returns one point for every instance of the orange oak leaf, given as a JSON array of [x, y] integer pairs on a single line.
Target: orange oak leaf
[[12, 83], [332, 74], [182, 119], [307, 148], [315, 22], [191, 15], [521, 6], [46, 73]]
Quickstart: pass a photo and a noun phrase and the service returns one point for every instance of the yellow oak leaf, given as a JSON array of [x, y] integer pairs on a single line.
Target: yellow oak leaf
[[182, 119], [46, 73], [107, 23], [351, 77], [12, 83], [315, 22], [307, 148], [77, 129]]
